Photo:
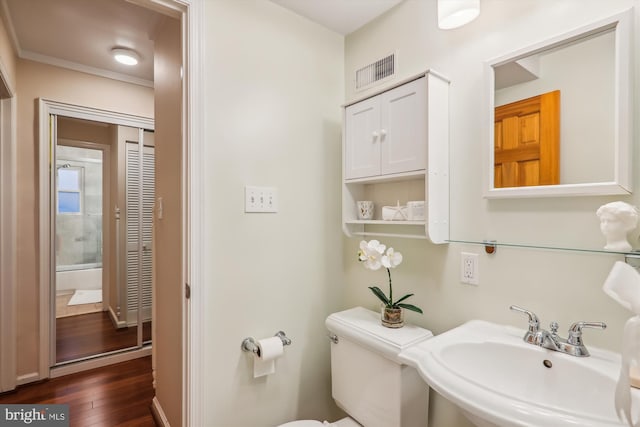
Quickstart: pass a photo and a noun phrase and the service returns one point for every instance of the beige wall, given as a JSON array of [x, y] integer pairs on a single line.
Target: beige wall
[[7, 57], [273, 90], [557, 285], [35, 80], [168, 298]]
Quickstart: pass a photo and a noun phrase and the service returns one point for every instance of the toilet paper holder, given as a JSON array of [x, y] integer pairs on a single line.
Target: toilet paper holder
[[249, 344]]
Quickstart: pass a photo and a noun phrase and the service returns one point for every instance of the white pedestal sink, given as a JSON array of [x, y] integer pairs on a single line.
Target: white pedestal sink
[[497, 379]]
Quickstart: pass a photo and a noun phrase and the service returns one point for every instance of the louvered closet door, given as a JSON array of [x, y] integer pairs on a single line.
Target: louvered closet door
[[140, 190]]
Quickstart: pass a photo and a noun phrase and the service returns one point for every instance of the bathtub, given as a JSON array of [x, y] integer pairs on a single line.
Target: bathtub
[[70, 278]]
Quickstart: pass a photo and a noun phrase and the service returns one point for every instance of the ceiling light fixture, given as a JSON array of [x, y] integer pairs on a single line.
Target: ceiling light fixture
[[456, 13], [125, 56]]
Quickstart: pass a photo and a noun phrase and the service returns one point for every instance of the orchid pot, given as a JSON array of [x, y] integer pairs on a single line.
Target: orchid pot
[[392, 317]]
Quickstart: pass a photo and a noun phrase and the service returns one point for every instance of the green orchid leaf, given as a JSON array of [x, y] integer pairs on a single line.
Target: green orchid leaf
[[381, 296], [403, 298], [410, 307]]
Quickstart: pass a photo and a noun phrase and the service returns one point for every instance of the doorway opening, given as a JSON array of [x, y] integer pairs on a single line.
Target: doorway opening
[[187, 200]]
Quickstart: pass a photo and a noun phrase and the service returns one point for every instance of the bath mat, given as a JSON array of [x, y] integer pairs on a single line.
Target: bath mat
[[86, 297]]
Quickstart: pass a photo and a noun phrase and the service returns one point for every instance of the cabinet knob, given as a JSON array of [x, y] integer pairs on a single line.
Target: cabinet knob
[[383, 133], [375, 135]]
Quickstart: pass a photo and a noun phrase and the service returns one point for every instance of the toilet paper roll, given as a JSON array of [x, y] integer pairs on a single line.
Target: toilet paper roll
[[264, 363]]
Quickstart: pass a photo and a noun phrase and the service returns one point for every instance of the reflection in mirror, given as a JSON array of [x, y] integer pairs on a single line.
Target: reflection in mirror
[[527, 141], [104, 191], [561, 115]]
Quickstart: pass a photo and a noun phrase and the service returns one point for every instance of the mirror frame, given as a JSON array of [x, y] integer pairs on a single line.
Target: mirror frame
[[623, 125], [46, 137]]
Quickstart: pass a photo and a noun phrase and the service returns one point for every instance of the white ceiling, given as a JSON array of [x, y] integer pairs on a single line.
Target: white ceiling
[[341, 16], [79, 34]]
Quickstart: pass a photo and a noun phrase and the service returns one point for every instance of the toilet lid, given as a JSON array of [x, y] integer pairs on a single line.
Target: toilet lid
[[303, 423]]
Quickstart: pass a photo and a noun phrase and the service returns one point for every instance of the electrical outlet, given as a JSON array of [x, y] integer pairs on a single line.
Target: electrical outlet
[[469, 273], [260, 199]]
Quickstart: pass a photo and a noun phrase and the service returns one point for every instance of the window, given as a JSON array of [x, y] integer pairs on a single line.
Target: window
[[69, 189]]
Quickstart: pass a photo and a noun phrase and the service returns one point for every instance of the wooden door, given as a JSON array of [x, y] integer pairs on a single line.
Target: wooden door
[[527, 142]]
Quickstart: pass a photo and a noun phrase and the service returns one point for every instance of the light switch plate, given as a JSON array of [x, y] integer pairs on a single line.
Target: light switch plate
[[260, 199]]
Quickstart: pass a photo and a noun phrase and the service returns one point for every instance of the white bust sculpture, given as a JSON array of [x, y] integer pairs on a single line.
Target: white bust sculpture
[[617, 219]]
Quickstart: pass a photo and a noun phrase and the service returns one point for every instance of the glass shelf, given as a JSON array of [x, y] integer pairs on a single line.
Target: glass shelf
[[495, 244]]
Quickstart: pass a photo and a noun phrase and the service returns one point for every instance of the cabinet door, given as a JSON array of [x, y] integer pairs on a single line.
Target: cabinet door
[[404, 128], [362, 139]]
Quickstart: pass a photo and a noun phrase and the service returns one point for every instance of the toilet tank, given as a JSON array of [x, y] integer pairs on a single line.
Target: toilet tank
[[367, 380]]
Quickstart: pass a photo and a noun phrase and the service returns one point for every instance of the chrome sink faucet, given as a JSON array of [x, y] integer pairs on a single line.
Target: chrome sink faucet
[[572, 345]]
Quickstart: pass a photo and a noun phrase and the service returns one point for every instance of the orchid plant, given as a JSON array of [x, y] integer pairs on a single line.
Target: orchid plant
[[373, 255]]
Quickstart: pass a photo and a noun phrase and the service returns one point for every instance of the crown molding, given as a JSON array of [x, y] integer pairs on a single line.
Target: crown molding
[[62, 63]]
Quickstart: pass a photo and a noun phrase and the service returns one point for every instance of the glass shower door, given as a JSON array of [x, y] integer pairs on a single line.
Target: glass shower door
[[79, 229]]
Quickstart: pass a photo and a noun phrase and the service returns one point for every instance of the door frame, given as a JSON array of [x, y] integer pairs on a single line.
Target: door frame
[[8, 243], [195, 330], [194, 333], [192, 17]]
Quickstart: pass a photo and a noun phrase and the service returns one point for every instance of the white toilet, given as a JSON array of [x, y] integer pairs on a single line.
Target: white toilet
[[368, 381]]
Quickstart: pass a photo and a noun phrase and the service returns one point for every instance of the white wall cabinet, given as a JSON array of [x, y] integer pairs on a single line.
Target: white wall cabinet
[[383, 132], [396, 148]]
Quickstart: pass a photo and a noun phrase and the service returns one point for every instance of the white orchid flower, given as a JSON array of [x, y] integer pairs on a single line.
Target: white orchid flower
[[371, 254], [391, 259]]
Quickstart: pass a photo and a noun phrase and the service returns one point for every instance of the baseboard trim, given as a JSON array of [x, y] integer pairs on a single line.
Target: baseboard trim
[[72, 368], [27, 378], [114, 319], [158, 414]]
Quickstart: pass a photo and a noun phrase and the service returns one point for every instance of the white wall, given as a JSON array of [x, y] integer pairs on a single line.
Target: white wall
[[557, 285], [274, 87]]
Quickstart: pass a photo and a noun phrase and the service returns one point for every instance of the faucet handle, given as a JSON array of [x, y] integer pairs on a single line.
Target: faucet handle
[[553, 326], [575, 331], [534, 323]]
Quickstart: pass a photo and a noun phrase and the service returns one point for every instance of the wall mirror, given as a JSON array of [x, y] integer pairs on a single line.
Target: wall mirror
[[96, 245], [559, 115]]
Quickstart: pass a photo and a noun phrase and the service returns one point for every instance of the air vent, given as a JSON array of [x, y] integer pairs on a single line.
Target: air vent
[[375, 72]]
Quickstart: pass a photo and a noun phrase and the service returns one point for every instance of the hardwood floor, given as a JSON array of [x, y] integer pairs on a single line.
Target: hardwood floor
[[117, 395], [63, 309], [93, 333]]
